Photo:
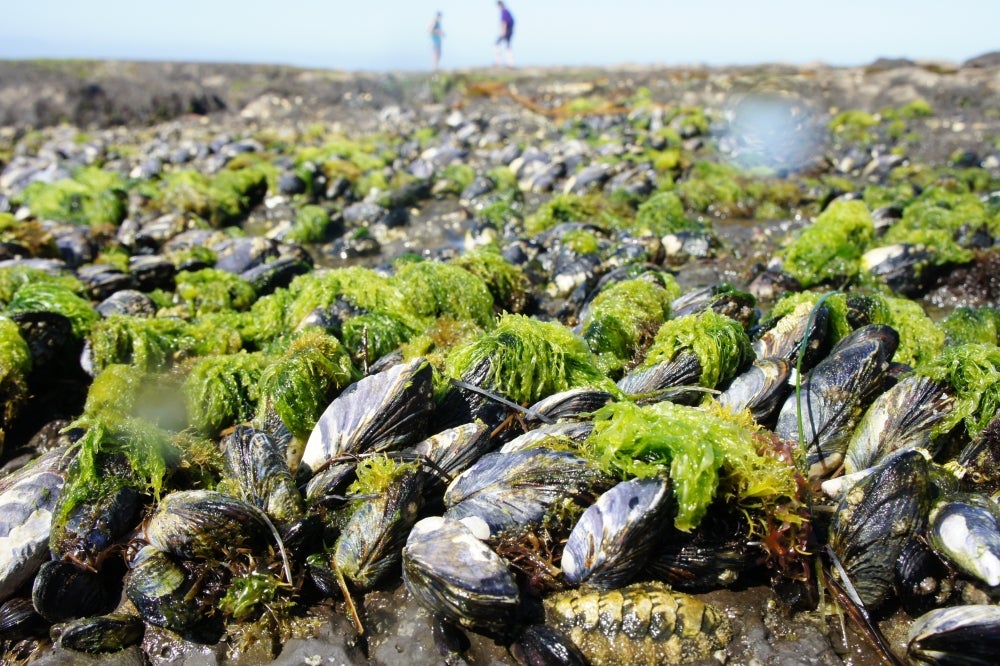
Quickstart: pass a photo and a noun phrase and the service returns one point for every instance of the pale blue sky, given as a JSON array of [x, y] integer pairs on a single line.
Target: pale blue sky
[[392, 34]]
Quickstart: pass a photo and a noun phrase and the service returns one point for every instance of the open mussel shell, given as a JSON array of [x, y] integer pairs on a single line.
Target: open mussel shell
[[63, 591], [900, 418], [965, 531], [384, 411], [27, 500], [610, 542], [205, 524], [959, 636], [452, 573], [834, 395], [643, 623], [100, 634], [507, 490], [874, 521], [762, 388]]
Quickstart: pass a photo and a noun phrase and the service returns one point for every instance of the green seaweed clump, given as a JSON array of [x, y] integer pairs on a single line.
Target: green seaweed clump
[[302, 383], [153, 345], [720, 343], [221, 391], [247, 593], [830, 249], [971, 325], [662, 214], [623, 319], [91, 197], [220, 200], [122, 391], [212, 290], [434, 289], [706, 455], [55, 297], [15, 364], [507, 283], [973, 371], [526, 360], [920, 339], [563, 207], [312, 225]]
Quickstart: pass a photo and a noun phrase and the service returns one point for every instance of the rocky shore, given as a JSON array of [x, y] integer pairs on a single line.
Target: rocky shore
[[206, 191]]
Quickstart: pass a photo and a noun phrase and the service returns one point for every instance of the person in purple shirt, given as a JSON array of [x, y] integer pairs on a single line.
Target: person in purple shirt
[[506, 32]]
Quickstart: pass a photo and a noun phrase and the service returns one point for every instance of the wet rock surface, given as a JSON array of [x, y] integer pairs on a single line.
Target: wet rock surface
[[583, 132]]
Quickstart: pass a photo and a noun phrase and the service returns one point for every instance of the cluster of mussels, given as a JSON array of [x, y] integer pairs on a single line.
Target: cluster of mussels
[[551, 441]]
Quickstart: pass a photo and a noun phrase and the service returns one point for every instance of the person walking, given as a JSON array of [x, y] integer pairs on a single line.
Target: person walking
[[506, 32], [437, 32]]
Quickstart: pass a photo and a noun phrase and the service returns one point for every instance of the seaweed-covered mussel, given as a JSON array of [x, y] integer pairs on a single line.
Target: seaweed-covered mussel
[[452, 573], [959, 635], [761, 388], [508, 490], [27, 501], [205, 524], [875, 519], [834, 394], [643, 623], [611, 540], [384, 411], [965, 529]]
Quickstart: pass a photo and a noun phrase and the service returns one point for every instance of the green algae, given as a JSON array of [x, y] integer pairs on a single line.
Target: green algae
[[854, 126], [28, 234], [720, 343], [434, 289], [91, 197], [372, 335], [965, 325], [312, 225], [12, 278], [527, 360], [563, 207], [507, 283], [301, 383], [836, 304], [707, 456], [662, 214], [55, 297], [219, 200], [920, 339], [15, 364], [246, 595], [221, 391], [829, 250], [212, 290], [623, 319], [973, 372]]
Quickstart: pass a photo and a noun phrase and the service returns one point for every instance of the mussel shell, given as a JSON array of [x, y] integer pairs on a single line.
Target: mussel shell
[[129, 302], [173, 595], [564, 432], [571, 404], [923, 581], [27, 500], [47, 334], [371, 540], [784, 338], [682, 370], [902, 417], [966, 532], [835, 394], [610, 542], [451, 451], [64, 591], [205, 524], [452, 573], [959, 636], [380, 412], [275, 274], [507, 490], [875, 520], [19, 619], [101, 634], [643, 623], [761, 388], [256, 468], [542, 645]]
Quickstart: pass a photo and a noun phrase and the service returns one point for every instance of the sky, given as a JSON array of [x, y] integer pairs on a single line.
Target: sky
[[384, 35]]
